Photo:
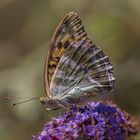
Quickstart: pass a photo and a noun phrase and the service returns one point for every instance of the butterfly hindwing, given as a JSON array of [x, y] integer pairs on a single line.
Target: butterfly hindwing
[[83, 70]]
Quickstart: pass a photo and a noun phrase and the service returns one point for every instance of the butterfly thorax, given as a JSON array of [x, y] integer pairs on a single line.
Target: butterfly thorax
[[49, 104]]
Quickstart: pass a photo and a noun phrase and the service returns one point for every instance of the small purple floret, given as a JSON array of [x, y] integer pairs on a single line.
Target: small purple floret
[[95, 121]]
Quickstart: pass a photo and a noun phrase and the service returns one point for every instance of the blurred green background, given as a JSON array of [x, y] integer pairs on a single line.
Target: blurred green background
[[26, 28]]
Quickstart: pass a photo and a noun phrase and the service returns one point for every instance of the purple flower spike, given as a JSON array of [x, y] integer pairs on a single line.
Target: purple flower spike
[[95, 121]]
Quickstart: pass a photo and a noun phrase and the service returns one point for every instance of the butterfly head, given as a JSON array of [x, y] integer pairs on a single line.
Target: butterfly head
[[49, 104]]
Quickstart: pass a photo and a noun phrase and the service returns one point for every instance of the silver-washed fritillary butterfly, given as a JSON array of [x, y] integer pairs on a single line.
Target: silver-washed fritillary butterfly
[[76, 70]]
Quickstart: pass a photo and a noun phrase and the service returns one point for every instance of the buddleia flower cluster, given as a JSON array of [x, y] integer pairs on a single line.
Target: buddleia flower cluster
[[95, 121]]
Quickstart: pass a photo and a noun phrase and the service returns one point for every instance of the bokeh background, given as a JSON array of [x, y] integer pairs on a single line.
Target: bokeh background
[[26, 28]]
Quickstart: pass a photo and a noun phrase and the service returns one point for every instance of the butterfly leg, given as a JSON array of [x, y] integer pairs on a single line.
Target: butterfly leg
[[63, 107], [50, 116]]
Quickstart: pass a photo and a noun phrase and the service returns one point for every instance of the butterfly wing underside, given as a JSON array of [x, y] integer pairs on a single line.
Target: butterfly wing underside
[[76, 67]]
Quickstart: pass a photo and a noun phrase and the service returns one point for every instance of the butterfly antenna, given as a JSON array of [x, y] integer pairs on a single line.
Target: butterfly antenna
[[24, 101], [16, 97]]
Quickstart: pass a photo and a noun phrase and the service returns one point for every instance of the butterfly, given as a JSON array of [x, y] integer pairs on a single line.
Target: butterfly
[[75, 70]]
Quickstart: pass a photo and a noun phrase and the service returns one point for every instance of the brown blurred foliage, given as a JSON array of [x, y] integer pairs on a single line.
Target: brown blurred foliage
[[26, 28]]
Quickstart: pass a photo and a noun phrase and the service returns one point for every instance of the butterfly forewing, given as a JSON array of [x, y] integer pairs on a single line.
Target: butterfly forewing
[[69, 29], [76, 67]]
